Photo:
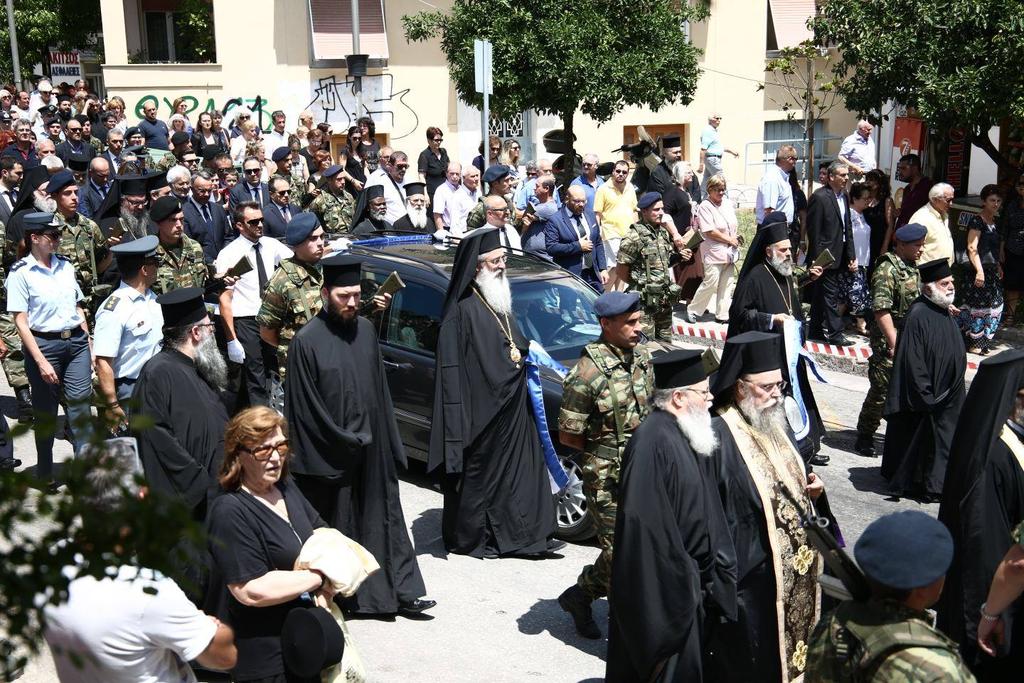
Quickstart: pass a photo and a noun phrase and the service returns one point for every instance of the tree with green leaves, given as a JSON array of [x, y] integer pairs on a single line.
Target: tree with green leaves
[[45, 24], [957, 62], [800, 83], [557, 57]]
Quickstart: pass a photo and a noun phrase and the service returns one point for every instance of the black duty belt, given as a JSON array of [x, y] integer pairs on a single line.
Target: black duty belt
[[63, 334]]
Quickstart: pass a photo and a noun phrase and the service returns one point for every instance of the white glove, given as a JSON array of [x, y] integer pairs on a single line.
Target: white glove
[[341, 244], [236, 354]]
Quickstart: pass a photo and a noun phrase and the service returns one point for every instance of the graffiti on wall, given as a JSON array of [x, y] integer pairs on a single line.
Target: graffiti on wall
[[259, 106]]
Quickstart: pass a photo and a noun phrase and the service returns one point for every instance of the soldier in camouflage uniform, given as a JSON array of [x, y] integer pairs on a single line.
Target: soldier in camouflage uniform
[[889, 638], [895, 285], [496, 178], [604, 398], [282, 156], [643, 262], [181, 258], [292, 297], [81, 241], [12, 356], [333, 206]]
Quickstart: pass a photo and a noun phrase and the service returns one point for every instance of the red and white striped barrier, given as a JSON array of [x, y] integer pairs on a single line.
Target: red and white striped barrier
[[856, 352]]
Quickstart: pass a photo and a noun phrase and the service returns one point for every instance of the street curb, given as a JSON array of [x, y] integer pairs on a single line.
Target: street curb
[[849, 359]]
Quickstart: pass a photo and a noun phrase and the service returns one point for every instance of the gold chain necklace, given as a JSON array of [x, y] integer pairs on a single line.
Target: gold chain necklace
[[506, 329], [788, 299]]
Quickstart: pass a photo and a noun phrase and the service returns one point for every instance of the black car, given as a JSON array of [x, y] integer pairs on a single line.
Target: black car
[[552, 306]]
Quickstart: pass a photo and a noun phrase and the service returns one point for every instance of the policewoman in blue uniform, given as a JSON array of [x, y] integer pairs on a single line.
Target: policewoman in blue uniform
[[45, 300]]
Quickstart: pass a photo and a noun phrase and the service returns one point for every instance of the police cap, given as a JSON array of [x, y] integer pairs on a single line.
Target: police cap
[[39, 221], [144, 247]]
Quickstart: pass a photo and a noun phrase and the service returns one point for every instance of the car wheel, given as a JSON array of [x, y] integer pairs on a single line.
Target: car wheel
[[574, 524]]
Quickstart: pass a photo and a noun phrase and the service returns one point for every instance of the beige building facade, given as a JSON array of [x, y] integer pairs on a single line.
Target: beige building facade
[[289, 55]]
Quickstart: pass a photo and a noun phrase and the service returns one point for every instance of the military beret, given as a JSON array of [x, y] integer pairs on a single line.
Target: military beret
[[164, 208], [60, 180], [81, 118], [137, 150], [134, 130], [911, 232], [331, 171], [495, 172], [141, 248], [648, 199], [904, 550], [281, 153], [611, 304], [179, 138], [300, 228], [39, 221]]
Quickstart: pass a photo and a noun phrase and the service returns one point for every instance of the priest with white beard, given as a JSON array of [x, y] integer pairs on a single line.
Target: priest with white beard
[[417, 216], [766, 491], [497, 497], [674, 565]]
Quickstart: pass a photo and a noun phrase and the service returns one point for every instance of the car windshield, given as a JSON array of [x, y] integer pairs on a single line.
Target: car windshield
[[557, 313]]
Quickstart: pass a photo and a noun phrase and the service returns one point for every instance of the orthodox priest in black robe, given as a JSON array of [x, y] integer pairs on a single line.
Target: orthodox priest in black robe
[[765, 294], [369, 215], [181, 433], [417, 216], [926, 390], [766, 491], [497, 495], [347, 448], [982, 503], [673, 564]]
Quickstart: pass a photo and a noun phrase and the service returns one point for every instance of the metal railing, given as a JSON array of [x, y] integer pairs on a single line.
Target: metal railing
[[766, 156]]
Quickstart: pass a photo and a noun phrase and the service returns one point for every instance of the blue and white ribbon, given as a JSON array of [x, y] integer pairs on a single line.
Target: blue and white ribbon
[[535, 360]]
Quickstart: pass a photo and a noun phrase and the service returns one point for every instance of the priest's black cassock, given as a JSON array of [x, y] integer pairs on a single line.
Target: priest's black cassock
[[926, 391], [982, 502], [370, 227], [673, 563], [405, 224], [761, 292], [346, 445], [497, 496], [363, 224]]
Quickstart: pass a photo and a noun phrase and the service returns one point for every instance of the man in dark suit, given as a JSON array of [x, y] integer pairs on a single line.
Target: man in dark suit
[[278, 212], [206, 221], [829, 227], [249, 188], [73, 144], [115, 145], [96, 187], [573, 239], [11, 171]]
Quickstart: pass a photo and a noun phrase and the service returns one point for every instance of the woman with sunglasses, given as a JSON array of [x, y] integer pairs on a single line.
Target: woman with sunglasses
[[46, 301], [433, 161], [350, 157]]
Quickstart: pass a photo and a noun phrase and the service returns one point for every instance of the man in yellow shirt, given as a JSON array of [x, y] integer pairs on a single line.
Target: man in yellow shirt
[[615, 208], [934, 215]]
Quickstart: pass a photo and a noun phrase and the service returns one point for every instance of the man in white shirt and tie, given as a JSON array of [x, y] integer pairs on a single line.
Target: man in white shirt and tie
[[240, 304]]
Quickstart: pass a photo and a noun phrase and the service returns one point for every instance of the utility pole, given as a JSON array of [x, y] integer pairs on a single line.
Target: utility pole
[[15, 64], [358, 85]]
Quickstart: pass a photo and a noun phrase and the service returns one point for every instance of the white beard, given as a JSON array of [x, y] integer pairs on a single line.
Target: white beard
[[783, 267], [495, 290], [417, 217], [45, 204], [770, 421], [937, 297], [696, 427], [210, 364]]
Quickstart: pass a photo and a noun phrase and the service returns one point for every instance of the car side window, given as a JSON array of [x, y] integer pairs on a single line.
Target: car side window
[[415, 317]]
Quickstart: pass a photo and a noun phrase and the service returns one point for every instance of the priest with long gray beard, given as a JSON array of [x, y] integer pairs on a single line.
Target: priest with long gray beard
[[497, 496], [417, 216], [674, 563], [181, 442]]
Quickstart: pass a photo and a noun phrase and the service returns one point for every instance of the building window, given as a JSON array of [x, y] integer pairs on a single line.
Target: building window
[[160, 36], [331, 25], [786, 132], [176, 31]]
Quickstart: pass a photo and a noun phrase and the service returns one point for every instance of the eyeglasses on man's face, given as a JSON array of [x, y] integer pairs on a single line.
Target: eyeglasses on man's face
[[497, 260]]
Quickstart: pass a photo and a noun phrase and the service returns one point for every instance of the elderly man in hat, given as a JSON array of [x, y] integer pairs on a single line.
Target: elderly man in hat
[[334, 206], [497, 179], [346, 458], [372, 216], [895, 285], [417, 216], [926, 389], [890, 636], [765, 489], [674, 565], [129, 325], [645, 259], [604, 398]]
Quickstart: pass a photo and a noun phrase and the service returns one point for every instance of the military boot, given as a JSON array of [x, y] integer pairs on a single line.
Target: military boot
[[865, 445], [577, 604], [24, 398]]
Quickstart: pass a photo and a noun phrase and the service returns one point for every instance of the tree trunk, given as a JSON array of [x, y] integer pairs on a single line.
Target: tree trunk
[[812, 171], [568, 172]]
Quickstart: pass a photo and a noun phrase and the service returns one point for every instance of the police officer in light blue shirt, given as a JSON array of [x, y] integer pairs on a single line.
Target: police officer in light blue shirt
[[45, 300], [128, 324]]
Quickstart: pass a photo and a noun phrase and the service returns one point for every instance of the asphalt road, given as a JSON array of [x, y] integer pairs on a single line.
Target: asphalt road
[[497, 620]]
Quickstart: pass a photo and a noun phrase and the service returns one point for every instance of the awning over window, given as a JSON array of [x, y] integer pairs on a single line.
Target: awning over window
[[789, 18], [332, 29]]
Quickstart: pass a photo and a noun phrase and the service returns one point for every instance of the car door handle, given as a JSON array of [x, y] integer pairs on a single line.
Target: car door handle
[[391, 365]]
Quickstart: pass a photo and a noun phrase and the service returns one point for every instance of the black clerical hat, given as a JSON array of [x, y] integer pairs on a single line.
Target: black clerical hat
[[414, 188], [77, 162], [157, 181], [164, 208], [182, 306], [775, 232], [934, 270], [373, 192], [679, 368], [904, 550], [341, 270], [489, 241], [670, 141], [311, 641], [134, 185], [746, 354]]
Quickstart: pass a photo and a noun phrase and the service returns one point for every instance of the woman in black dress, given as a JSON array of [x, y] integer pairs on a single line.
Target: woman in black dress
[[983, 297], [881, 213], [433, 162], [350, 157], [1012, 254], [257, 529]]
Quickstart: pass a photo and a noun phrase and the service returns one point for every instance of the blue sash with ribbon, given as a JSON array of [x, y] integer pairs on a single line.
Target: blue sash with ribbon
[[535, 360], [796, 412]]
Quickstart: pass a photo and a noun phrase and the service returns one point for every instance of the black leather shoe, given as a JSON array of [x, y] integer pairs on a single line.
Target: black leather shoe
[[417, 606], [554, 544], [865, 446], [10, 464], [577, 604], [24, 399], [820, 459], [841, 340]]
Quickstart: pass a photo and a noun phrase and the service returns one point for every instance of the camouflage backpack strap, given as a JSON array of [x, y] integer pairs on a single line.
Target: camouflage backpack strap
[[294, 274], [600, 359], [873, 642]]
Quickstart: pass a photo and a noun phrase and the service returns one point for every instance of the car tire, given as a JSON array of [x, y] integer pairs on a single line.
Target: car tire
[[574, 524]]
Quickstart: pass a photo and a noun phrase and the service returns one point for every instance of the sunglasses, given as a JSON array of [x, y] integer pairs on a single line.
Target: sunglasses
[[262, 453], [253, 222], [283, 193], [438, 139], [402, 167], [252, 170]]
